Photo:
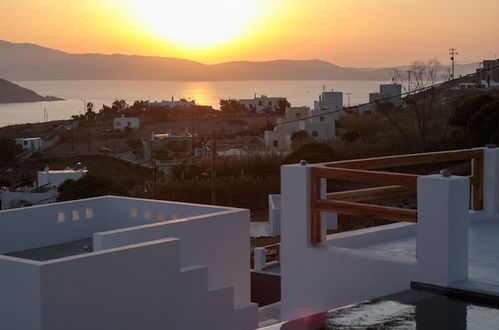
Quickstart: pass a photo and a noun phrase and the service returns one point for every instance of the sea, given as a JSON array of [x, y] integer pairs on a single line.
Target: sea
[[77, 92]]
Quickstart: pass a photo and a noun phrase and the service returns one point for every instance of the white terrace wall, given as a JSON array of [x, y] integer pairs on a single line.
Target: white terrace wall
[[128, 212], [315, 279], [45, 225], [218, 240], [37, 226], [134, 287], [19, 294]]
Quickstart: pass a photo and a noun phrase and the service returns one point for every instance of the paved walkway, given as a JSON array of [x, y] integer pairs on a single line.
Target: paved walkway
[[260, 229]]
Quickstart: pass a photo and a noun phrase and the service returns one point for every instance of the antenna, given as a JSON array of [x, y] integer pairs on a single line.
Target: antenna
[[348, 95], [452, 53]]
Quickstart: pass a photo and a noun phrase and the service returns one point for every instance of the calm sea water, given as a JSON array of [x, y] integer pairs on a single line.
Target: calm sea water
[[100, 92]]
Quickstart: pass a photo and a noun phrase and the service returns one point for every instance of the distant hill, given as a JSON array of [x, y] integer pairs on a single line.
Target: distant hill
[[11, 93], [32, 62]]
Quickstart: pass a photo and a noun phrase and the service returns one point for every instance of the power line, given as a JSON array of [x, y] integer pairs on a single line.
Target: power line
[[418, 90]]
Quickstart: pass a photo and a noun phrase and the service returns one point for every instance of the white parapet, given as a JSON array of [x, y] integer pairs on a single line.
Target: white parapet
[[491, 182], [442, 239]]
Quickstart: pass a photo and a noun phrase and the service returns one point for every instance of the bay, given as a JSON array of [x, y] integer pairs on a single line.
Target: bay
[[77, 92]]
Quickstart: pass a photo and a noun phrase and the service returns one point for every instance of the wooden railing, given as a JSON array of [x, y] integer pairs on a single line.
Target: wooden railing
[[273, 252], [393, 184]]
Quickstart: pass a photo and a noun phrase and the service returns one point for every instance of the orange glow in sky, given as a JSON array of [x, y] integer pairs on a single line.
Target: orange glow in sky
[[360, 33]]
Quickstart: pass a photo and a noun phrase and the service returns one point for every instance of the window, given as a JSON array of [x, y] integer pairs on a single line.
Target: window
[[321, 118], [275, 143], [89, 213], [174, 215], [297, 116], [270, 103], [129, 124], [161, 216], [118, 123], [147, 214], [260, 103], [315, 134], [75, 215], [61, 217], [134, 213]]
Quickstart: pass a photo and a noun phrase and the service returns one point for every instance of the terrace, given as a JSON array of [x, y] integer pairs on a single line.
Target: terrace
[[448, 239], [125, 263]]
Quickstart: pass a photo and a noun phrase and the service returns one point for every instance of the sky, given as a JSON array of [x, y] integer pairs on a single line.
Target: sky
[[351, 33]]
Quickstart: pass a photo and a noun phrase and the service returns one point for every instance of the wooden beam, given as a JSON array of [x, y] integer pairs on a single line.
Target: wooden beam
[[409, 159], [363, 176], [372, 193], [367, 210], [315, 216], [477, 185]]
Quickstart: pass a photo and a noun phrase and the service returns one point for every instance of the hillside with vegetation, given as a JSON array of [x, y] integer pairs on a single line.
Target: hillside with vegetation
[[11, 93]]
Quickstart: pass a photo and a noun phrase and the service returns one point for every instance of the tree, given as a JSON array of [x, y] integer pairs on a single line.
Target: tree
[[424, 103], [135, 144], [119, 105], [88, 186], [484, 125], [299, 138], [9, 149], [313, 152], [282, 105], [468, 108], [232, 106], [90, 114]]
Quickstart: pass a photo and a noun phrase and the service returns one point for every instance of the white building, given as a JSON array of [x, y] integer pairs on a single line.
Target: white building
[[30, 143], [329, 101], [174, 104], [54, 178], [319, 123], [121, 123], [489, 74], [26, 196], [123, 263], [260, 104], [391, 93]]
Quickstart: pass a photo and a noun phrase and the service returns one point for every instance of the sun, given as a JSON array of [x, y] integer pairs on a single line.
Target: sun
[[198, 23]]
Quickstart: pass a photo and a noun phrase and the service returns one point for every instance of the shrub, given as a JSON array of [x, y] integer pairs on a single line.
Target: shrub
[[313, 152], [468, 108]]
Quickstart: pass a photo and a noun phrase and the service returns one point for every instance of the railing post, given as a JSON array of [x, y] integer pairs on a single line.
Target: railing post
[[296, 211], [259, 258], [442, 239], [491, 182]]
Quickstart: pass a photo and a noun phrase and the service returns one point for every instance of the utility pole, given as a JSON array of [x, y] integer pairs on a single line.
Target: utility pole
[[348, 95], [72, 139], [213, 169], [409, 80], [153, 166], [452, 53], [88, 139]]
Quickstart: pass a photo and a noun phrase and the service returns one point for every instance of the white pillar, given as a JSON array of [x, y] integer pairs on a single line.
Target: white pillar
[[259, 258], [491, 182], [442, 240], [295, 206]]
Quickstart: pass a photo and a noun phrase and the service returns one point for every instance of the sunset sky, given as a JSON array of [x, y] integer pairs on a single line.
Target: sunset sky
[[359, 33]]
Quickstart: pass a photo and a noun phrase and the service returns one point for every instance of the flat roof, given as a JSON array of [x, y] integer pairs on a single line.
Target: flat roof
[[55, 251], [483, 257]]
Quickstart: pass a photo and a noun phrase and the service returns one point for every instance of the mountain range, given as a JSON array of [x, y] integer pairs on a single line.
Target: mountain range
[[24, 61]]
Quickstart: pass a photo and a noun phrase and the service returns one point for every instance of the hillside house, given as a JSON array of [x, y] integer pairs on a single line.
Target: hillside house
[[122, 123], [262, 103]]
